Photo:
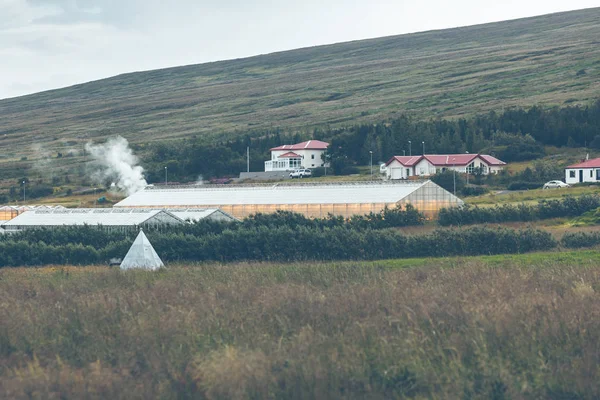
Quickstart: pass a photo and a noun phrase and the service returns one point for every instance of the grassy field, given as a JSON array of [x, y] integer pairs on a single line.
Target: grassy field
[[548, 60], [523, 326]]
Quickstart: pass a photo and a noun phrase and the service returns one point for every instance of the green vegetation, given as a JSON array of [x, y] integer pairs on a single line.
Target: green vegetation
[[452, 73], [278, 237], [545, 209], [482, 328]]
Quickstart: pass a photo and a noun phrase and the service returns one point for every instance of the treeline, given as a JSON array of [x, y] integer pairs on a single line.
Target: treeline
[[545, 209], [513, 135], [263, 243]]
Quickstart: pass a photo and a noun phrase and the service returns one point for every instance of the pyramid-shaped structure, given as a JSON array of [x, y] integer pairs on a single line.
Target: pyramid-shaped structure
[[142, 255]]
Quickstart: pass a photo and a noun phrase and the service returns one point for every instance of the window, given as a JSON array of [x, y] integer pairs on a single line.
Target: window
[[421, 171], [312, 156], [571, 174]]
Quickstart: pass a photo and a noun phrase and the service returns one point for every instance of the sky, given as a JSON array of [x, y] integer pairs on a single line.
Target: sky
[[48, 44]]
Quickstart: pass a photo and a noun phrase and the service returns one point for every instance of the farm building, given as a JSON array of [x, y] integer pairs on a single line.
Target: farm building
[[585, 171], [111, 218], [404, 167], [311, 199]]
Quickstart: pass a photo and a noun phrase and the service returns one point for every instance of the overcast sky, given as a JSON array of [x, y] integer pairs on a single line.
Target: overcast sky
[[46, 44]]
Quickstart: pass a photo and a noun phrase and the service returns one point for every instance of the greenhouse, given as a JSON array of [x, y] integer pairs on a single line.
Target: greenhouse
[[111, 218], [311, 199]]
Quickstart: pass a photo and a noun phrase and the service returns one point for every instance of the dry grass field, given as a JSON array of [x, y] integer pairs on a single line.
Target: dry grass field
[[523, 326], [551, 60]]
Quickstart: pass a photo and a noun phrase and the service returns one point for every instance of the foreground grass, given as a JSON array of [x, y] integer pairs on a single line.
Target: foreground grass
[[482, 327]]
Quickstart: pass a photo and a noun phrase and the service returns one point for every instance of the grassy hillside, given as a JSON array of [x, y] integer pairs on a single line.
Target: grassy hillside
[[515, 327], [549, 60]]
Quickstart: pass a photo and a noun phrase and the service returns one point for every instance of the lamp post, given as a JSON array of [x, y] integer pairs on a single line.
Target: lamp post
[[403, 152], [371, 164], [95, 199], [165, 176], [409, 148], [23, 191], [454, 174], [423, 148]]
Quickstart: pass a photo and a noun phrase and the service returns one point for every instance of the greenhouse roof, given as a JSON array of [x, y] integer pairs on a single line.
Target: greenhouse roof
[[88, 216], [312, 193]]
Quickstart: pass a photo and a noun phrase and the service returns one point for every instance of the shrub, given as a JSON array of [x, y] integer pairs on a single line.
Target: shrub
[[472, 190], [521, 185], [576, 240]]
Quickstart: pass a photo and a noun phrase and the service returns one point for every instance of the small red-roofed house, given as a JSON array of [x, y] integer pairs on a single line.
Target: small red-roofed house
[[403, 167], [585, 171], [307, 154]]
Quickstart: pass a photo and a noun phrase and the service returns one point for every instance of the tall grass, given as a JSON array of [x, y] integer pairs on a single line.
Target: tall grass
[[346, 330]]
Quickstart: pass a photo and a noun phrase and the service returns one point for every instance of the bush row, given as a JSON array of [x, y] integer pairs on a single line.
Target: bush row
[[545, 209], [576, 240], [287, 244]]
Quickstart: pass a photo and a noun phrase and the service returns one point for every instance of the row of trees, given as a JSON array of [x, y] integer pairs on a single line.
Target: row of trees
[[513, 135], [280, 244], [545, 209]]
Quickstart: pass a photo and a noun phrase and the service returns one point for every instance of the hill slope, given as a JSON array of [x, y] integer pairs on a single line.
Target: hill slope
[[548, 60]]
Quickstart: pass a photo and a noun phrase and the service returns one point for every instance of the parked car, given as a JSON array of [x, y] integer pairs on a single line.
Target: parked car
[[555, 185], [301, 173]]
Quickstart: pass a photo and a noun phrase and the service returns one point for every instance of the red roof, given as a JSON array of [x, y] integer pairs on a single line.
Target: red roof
[[407, 161], [593, 163], [290, 154], [446, 159], [309, 145]]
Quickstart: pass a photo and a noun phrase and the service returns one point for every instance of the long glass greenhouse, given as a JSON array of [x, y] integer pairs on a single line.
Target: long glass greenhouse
[[311, 199]]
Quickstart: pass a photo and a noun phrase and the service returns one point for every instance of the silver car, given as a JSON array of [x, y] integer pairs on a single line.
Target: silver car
[[555, 185]]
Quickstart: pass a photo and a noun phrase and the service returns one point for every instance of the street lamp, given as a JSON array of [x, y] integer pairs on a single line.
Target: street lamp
[[371, 153], [95, 198], [165, 176], [454, 174], [409, 148], [23, 191], [403, 152], [423, 148]]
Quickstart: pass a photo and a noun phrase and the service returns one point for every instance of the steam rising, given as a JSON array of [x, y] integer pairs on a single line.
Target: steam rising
[[117, 164]]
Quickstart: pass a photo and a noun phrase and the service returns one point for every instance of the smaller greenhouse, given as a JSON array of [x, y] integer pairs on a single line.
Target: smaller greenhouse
[[106, 218]]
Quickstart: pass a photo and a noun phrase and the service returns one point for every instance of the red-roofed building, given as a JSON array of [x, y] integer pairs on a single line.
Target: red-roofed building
[[585, 171], [403, 167], [307, 154]]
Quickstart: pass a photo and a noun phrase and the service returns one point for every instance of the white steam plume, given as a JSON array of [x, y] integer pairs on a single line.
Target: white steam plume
[[117, 164]]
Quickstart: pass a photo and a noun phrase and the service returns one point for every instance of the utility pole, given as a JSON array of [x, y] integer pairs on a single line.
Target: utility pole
[[409, 148], [166, 176], [454, 174], [248, 159], [371, 153]]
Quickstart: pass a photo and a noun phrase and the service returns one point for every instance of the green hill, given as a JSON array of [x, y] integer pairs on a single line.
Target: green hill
[[547, 60]]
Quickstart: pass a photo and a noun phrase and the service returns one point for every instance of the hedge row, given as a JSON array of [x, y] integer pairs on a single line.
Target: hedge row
[[545, 209], [287, 244], [576, 240]]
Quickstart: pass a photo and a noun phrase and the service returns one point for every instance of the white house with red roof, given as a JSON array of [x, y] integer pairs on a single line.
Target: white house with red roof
[[585, 171], [403, 167], [307, 154]]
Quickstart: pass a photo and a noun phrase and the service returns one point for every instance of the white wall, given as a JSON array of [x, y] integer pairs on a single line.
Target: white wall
[[308, 161], [395, 170], [586, 175], [424, 168]]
